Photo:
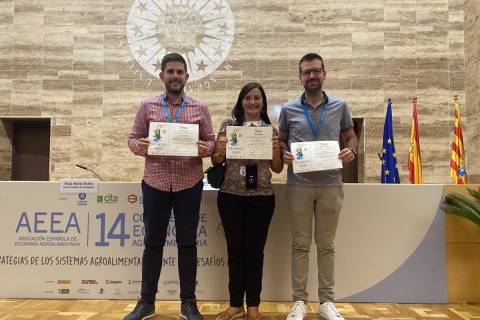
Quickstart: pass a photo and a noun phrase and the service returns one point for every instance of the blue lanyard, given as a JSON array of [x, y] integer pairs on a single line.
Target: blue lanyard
[[316, 130], [177, 115]]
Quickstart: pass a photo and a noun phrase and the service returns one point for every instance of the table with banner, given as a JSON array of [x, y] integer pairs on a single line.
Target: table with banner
[[390, 245]]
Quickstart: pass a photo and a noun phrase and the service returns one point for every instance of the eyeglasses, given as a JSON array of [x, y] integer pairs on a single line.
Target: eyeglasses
[[306, 73]]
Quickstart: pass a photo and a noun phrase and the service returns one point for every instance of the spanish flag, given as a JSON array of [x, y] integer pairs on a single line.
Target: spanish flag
[[457, 161], [414, 158]]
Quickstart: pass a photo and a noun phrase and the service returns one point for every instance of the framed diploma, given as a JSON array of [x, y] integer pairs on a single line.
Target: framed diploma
[[249, 143], [315, 156], [173, 139]]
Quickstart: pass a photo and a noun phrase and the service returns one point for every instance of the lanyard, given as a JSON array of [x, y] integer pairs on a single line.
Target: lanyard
[[177, 115], [316, 130]]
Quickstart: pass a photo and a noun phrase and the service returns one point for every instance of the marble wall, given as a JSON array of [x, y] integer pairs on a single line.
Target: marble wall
[[71, 61], [5, 151], [472, 88]]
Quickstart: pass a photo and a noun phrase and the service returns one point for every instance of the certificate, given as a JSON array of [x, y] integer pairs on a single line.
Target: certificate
[[173, 139], [315, 156], [249, 143]]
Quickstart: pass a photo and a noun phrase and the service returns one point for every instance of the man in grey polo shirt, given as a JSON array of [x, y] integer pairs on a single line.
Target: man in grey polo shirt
[[314, 116]]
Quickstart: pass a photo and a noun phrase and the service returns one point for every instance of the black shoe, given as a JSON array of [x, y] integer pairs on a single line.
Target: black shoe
[[189, 311], [142, 311]]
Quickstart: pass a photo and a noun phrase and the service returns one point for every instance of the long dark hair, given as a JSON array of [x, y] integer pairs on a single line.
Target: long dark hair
[[238, 113]]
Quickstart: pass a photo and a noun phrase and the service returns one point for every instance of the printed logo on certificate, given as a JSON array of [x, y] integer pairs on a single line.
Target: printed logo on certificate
[[173, 139], [249, 143], [315, 156]]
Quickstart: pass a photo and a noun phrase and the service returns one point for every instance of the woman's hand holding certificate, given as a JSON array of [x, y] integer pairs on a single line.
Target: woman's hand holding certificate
[[249, 142]]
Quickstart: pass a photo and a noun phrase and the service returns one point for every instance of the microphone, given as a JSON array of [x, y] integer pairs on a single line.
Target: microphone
[[88, 169]]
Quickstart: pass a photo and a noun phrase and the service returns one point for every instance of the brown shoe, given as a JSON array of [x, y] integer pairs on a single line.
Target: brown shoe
[[231, 313], [253, 313]]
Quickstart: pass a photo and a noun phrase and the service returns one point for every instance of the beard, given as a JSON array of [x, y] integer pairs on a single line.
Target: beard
[[174, 87], [314, 86]]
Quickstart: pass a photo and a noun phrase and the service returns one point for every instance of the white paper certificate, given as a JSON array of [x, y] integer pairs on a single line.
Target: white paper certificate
[[315, 156], [173, 139], [249, 143]]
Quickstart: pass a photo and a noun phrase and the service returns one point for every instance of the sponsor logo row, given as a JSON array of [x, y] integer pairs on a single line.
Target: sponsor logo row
[[92, 290], [100, 291], [67, 281], [108, 199], [104, 291]]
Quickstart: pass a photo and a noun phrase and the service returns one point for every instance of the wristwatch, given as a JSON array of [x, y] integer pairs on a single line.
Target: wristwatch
[[355, 153]]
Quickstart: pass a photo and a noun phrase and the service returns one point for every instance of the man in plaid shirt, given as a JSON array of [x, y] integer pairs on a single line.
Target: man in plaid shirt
[[171, 182]]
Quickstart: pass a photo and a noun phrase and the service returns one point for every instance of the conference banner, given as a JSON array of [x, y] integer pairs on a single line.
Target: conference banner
[[89, 245]]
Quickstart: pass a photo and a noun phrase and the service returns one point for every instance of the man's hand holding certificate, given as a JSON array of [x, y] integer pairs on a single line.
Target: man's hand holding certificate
[[173, 139], [249, 142], [315, 156]]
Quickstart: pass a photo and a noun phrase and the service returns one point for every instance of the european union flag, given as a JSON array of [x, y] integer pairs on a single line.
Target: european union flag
[[388, 156]]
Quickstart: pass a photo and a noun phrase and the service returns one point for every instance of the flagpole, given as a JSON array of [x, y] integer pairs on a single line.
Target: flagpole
[[389, 169], [414, 157], [457, 159]]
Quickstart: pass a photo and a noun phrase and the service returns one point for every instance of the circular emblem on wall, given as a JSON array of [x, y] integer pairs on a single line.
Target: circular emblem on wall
[[202, 31]]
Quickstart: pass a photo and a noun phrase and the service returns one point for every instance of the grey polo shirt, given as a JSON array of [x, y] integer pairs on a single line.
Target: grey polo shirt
[[336, 120]]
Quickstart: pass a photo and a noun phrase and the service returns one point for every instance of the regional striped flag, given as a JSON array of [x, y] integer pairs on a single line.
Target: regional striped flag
[[457, 161], [414, 158]]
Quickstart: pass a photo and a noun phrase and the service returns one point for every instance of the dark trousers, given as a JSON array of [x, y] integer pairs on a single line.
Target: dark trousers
[[245, 220], [157, 207]]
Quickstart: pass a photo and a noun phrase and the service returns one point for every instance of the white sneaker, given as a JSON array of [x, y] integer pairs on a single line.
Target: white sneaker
[[328, 311], [298, 312]]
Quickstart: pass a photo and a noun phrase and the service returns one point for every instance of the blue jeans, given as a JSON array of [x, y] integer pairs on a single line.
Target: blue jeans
[[157, 207]]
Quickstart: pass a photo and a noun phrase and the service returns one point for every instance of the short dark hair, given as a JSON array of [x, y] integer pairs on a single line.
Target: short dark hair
[[310, 57], [173, 57], [238, 113]]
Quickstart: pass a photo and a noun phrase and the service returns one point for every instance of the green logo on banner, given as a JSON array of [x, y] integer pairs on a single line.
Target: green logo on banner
[[109, 198]]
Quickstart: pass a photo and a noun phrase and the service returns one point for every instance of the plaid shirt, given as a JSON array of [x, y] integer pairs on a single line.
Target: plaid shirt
[[170, 173]]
